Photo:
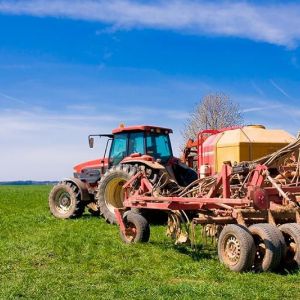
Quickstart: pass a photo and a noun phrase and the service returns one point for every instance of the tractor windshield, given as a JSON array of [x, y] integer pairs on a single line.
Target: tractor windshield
[[136, 143], [118, 148], [154, 144], [158, 146]]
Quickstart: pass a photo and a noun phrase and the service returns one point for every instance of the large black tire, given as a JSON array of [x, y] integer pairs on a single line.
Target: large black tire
[[110, 193], [236, 248], [270, 246], [65, 201], [137, 229], [291, 233]]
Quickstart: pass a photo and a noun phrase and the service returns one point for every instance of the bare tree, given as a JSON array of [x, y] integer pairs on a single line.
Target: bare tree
[[214, 111]]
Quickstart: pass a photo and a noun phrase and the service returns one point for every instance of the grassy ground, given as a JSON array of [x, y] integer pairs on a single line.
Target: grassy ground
[[45, 258]]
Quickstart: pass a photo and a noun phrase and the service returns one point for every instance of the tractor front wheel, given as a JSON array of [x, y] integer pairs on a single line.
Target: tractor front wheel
[[65, 201], [110, 194]]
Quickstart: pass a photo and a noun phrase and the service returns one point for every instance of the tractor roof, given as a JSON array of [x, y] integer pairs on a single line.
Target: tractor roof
[[146, 128]]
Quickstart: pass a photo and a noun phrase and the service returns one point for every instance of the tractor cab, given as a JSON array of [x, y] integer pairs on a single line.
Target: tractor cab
[[124, 142], [143, 140]]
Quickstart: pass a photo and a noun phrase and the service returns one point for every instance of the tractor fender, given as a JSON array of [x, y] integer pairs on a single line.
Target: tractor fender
[[85, 195], [144, 159]]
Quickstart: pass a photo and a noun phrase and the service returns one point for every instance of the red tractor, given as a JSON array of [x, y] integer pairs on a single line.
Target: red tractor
[[98, 184]]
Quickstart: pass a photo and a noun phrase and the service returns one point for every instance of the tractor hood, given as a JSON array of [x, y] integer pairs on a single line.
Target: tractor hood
[[91, 164]]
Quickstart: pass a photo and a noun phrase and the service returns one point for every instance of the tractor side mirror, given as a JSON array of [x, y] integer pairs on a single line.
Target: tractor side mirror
[[91, 142]]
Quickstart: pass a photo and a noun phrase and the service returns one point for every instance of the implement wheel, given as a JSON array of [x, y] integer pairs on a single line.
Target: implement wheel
[[291, 233], [236, 248], [270, 246], [137, 229], [110, 194], [65, 201]]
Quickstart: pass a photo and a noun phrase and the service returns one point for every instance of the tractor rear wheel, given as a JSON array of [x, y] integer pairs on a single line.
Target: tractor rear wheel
[[269, 244], [65, 201], [137, 229], [236, 248], [110, 193], [291, 233]]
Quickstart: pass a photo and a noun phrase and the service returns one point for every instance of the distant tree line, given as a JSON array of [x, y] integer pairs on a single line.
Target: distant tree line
[[27, 182]]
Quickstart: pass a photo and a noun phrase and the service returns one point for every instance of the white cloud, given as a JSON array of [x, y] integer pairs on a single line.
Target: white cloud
[[43, 145], [273, 23], [272, 113], [80, 107], [257, 89], [7, 97], [280, 89], [261, 108]]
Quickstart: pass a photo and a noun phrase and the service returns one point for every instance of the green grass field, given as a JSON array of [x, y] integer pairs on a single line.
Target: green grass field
[[45, 258]]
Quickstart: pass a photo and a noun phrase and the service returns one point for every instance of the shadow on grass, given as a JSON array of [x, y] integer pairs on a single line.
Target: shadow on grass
[[293, 269], [209, 251], [198, 253], [203, 250], [88, 216], [152, 216]]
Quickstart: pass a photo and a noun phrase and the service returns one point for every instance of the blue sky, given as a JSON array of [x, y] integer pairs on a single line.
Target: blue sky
[[68, 69]]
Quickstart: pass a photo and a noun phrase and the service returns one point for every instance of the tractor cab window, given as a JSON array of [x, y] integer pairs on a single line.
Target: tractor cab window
[[136, 143], [118, 148], [158, 146]]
